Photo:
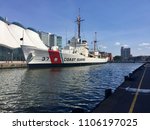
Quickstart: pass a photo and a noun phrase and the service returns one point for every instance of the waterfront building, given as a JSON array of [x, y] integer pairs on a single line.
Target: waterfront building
[[106, 54], [125, 54], [10, 35], [110, 56], [9, 47]]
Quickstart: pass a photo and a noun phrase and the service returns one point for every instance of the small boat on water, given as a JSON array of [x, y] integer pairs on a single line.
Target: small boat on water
[[75, 53]]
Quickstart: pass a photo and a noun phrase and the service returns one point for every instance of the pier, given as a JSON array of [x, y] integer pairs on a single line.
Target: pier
[[11, 65], [132, 96]]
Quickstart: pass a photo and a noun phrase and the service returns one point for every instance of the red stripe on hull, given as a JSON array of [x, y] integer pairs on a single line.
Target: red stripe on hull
[[54, 57]]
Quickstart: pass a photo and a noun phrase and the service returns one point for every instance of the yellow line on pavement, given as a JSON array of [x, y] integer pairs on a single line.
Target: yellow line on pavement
[[137, 92]]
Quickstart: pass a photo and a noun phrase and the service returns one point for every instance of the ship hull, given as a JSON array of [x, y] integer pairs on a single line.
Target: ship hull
[[60, 65], [37, 58]]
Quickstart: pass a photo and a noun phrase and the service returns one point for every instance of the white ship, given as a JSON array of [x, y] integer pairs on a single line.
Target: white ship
[[75, 53]]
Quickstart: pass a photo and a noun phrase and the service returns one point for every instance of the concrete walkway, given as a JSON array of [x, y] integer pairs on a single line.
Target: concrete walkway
[[14, 64], [131, 96]]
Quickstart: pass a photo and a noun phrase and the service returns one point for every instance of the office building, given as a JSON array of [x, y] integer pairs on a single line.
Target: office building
[[59, 41], [51, 39], [45, 37], [125, 53], [55, 41]]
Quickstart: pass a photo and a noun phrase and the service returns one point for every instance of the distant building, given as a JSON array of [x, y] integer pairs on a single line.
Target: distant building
[[106, 54], [45, 37], [110, 56], [51, 39], [125, 54], [55, 40], [59, 41], [141, 59]]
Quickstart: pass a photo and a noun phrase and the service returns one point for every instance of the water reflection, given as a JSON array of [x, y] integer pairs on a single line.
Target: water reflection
[[58, 89]]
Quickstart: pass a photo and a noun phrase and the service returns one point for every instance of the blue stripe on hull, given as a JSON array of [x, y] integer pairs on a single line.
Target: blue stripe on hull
[[60, 65]]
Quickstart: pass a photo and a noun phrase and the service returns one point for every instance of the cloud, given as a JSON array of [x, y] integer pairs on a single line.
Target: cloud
[[139, 49], [117, 43], [125, 45], [120, 44], [102, 47], [144, 44]]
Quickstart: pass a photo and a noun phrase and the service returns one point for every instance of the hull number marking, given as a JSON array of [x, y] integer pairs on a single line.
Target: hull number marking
[[45, 58]]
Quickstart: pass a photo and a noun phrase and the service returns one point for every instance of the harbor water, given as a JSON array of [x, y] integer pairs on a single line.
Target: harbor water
[[59, 89]]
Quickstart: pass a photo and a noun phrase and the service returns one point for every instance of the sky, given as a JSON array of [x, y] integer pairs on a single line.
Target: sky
[[117, 22]]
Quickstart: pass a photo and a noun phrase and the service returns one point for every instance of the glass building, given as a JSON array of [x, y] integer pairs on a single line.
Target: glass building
[[55, 41], [59, 41], [7, 54], [51, 39], [45, 37]]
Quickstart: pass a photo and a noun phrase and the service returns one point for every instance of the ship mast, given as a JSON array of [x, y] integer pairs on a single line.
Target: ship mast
[[79, 20], [95, 41]]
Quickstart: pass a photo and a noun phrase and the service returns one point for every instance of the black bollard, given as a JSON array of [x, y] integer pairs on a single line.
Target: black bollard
[[130, 75], [108, 93], [126, 78], [130, 78]]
